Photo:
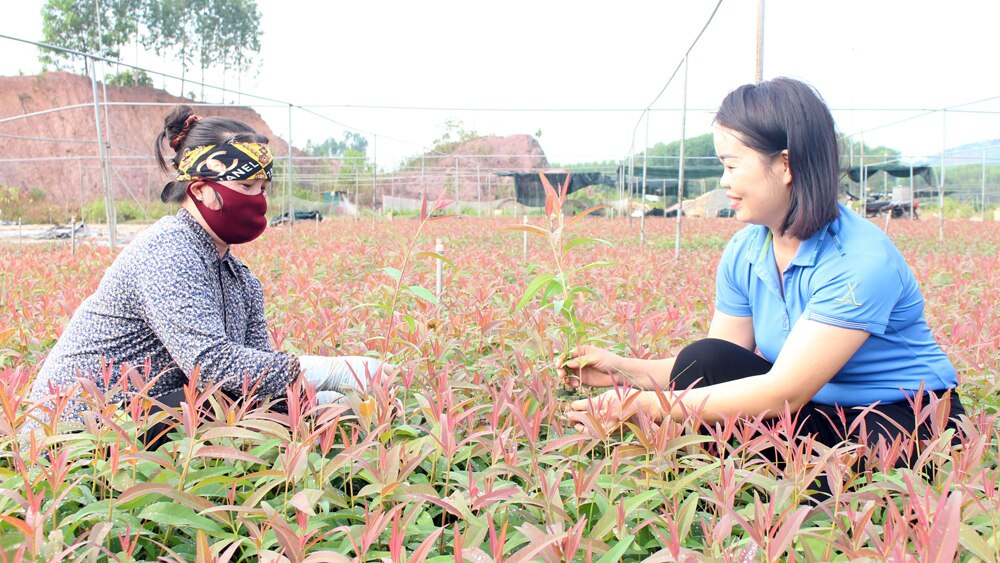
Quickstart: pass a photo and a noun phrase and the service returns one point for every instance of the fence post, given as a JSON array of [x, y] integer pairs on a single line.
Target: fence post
[[525, 233], [439, 250]]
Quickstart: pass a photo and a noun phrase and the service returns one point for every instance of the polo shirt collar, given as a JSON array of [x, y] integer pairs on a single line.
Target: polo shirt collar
[[806, 255], [757, 247], [809, 249]]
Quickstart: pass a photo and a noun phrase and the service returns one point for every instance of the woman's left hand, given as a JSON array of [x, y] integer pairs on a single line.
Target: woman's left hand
[[605, 412]]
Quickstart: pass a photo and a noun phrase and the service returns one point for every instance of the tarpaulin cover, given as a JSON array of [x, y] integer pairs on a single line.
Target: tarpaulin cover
[[672, 172], [894, 170]]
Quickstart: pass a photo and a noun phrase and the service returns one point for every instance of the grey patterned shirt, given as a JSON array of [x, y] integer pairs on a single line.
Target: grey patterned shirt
[[171, 300]]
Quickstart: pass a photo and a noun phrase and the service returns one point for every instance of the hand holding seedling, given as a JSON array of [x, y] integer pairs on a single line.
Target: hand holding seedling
[[593, 366]]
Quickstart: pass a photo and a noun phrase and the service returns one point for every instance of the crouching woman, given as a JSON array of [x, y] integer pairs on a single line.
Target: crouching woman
[[177, 299]]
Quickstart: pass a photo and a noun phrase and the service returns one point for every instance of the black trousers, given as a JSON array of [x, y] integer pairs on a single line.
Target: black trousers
[[156, 435], [711, 361]]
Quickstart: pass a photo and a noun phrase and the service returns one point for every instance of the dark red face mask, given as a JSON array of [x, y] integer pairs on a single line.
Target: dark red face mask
[[242, 217]]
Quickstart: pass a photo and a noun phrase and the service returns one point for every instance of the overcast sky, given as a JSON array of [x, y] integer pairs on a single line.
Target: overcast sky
[[581, 72]]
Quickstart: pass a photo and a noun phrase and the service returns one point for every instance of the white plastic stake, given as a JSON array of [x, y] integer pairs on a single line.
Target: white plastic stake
[[439, 250]]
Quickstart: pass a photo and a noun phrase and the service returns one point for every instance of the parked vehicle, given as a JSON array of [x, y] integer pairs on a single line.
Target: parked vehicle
[[299, 216], [879, 205]]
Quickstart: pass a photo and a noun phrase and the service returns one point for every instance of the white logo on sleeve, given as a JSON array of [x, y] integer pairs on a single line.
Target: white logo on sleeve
[[848, 297]]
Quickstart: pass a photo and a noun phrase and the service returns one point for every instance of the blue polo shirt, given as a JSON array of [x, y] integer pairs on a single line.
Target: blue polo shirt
[[849, 274]]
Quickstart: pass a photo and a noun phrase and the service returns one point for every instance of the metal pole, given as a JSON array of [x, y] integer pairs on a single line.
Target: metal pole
[[642, 204], [944, 130], [457, 193], [863, 180], [631, 177], [107, 118], [479, 189], [982, 214], [291, 204], [913, 200], [621, 185], [109, 201], [759, 70], [680, 171], [374, 168], [79, 169]]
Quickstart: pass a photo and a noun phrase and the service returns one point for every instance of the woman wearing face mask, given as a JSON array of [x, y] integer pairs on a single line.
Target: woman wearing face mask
[[816, 310], [176, 298]]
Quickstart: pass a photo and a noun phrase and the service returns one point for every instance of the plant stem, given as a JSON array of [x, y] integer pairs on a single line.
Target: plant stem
[[399, 284]]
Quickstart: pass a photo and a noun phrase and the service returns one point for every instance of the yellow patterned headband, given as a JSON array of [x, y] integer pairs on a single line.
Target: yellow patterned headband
[[230, 161]]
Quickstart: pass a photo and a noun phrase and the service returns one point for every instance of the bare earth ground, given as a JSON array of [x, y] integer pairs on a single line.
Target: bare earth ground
[[93, 233]]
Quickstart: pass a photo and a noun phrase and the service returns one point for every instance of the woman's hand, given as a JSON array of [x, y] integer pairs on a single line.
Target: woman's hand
[[609, 410], [342, 374], [589, 365]]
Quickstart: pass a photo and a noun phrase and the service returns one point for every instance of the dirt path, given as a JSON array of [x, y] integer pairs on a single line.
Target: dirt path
[[92, 232]]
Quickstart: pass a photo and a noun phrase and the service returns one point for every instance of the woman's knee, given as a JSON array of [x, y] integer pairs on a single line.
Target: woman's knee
[[713, 360]]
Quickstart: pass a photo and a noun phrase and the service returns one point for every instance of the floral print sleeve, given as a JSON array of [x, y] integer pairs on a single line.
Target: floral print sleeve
[[171, 302], [198, 312]]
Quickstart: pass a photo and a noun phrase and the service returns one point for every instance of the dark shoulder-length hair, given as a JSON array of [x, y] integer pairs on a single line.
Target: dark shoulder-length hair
[[781, 114], [183, 130]]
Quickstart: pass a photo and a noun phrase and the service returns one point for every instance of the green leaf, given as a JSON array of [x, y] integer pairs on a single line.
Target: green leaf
[[436, 256], [411, 323], [598, 264], [607, 522], [584, 289], [557, 305], [173, 514], [577, 241], [423, 293], [533, 287], [615, 554], [530, 229], [393, 273], [971, 540]]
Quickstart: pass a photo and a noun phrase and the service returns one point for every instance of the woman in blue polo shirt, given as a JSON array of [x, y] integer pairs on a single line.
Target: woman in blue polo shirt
[[816, 309]]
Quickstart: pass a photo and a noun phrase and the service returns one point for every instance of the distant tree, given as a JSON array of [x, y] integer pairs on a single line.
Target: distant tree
[[454, 134], [698, 151], [101, 27], [352, 141], [222, 34], [132, 77], [173, 32]]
